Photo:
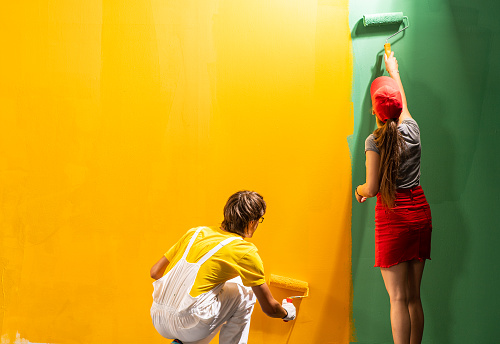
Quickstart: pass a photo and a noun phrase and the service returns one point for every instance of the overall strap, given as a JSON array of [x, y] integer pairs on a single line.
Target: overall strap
[[191, 243], [215, 249]]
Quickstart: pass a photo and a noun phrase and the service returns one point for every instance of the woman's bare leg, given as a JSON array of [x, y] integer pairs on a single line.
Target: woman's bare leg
[[415, 271], [396, 283]]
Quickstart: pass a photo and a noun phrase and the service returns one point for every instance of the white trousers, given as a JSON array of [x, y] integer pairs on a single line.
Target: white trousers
[[233, 318]]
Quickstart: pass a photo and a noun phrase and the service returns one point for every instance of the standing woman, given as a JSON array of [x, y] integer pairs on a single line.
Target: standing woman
[[403, 223]]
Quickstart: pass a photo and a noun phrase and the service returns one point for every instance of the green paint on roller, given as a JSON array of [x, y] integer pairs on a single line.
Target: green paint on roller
[[382, 18]]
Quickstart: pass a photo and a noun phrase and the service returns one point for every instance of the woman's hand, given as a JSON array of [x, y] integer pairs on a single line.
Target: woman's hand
[[391, 64], [359, 198]]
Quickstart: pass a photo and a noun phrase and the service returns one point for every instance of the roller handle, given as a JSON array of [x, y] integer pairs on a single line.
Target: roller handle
[[387, 48]]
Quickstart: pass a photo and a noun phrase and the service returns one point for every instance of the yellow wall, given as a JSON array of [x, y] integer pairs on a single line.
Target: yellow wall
[[124, 123]]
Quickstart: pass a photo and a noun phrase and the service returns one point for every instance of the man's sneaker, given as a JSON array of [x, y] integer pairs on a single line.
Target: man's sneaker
[[176, 341]]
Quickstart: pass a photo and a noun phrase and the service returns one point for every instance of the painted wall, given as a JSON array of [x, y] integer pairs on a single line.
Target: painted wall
[[124, 123], [448, 61]]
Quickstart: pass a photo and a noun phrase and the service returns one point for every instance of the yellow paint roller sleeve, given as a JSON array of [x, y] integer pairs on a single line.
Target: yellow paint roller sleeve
[[238, 258], [288, 283]]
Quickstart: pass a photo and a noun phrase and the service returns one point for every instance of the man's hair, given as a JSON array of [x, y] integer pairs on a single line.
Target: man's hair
[[241, 208]]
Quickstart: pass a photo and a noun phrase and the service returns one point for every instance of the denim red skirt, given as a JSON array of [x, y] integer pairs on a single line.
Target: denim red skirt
[[403, 232]]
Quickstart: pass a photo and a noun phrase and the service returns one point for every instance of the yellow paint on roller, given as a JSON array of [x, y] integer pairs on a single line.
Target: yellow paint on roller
[[289, 283]]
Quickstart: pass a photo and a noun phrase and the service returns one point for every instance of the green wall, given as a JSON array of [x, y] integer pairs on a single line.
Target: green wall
[[449, 61]]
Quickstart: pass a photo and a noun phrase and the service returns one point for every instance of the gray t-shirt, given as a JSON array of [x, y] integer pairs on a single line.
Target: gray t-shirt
[[409, 169]]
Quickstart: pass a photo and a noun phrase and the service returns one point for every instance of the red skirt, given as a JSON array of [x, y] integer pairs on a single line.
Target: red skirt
[[403, 233]]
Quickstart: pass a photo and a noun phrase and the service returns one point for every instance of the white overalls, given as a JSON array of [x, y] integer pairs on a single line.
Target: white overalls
[[177, 315]]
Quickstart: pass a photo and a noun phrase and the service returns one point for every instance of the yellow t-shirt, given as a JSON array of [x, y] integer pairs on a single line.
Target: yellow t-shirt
[[238, 258]]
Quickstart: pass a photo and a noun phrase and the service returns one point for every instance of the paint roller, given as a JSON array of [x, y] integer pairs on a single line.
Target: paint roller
[[290, 284], [391, 18]]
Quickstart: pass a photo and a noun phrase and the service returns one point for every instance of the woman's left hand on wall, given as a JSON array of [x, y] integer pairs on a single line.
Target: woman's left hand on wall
[[359, 198]]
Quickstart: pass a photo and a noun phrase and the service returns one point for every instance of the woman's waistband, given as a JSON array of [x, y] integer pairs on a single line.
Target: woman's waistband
[[417, 188], [410, 197], [406, 197]]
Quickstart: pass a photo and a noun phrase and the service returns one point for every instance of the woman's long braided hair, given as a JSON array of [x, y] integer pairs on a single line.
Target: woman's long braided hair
[[391, 146]]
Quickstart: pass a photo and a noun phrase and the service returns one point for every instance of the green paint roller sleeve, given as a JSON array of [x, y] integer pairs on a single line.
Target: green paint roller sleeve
[[382, 18], [379, 19]]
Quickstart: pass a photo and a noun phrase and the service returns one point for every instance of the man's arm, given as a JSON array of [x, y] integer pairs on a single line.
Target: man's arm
[[269, 305], [159, 268]]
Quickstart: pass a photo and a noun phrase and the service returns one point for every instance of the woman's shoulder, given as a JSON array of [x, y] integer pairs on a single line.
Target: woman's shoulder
[[409, 121], [370, 138], [370, 144], [409, 126]]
